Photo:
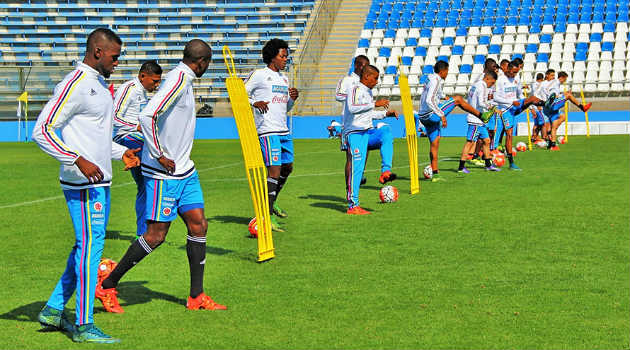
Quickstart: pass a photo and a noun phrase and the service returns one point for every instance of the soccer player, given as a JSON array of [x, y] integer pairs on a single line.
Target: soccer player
[[334, 129], [541, 121], [272, 98], [506, 96], [433, 113], [478, 99], [129, 100], [81, 109], [490, 65], [380, 137], [358, 114], [558, 99], [503, 66], [170, 178]]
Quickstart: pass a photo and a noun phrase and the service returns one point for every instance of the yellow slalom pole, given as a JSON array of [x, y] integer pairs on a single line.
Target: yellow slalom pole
[[588, 129], [529, 129], [254, 166], [566, 118], [410, 127]]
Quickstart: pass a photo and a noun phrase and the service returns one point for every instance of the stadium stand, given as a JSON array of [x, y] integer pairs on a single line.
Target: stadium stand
[[586, 38], [45, 38]]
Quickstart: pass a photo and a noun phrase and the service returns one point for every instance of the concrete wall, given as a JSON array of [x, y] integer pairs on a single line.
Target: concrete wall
[[315, 127]]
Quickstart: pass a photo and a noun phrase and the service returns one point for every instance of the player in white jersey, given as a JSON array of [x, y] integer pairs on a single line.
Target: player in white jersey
[[81, 109], [171, 181], [433, 113], [380, 137], [506, 96], [541, 121], [557, 100], [478, 99], [334, 129], [129, 100], [490, 65], [358, 115], [272, 98]]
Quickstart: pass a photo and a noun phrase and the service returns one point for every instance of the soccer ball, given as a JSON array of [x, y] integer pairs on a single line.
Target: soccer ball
[[105, 267], [514, 152], [498, 160], [562, 140], [541, 144], [388, 194], [252, 227], [521, 147], [428, 172]]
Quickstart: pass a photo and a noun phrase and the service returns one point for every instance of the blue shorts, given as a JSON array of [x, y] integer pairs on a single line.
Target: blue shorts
[[166, 198], [515, 111], [554, 116], [433, 123], [132, 141], [492, 123], [276, 149], [540, 118], [476, 132]]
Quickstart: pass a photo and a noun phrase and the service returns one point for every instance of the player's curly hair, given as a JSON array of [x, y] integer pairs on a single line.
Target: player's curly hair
[[272, 48]]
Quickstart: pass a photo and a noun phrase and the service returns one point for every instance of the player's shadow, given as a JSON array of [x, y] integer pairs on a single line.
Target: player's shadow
[[370, 187], [324, 198], [120, 235], [213, 250], [135, 292], [24, 313], [328, 205], [230, 219]]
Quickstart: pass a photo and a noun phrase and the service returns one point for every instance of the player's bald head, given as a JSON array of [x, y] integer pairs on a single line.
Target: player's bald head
[[195, 50], [369, 70], [103, 38]]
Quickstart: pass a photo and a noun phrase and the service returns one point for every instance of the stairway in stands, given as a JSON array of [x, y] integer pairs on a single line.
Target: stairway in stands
[[335, 60]]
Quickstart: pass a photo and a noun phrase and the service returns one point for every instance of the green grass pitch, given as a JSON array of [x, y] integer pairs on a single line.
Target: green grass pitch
[[537, 259]]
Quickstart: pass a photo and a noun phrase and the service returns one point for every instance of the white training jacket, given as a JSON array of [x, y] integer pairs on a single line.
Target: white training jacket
[[519, 92], [506, 92], [358, 111], [81, 110], [168, 124], [548, 87], [129, 100], [534, 87], [344, 85], [273, 87], [478, 99], [431, 96]]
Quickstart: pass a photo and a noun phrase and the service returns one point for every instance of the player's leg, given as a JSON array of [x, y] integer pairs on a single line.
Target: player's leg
[[471, 140], [500, 127], [160, 211], [191, 209], [272, 152], [133, 141], [556, 120], [357, 148], [286, 167], [487, 154], [93, 206], [381, 138]]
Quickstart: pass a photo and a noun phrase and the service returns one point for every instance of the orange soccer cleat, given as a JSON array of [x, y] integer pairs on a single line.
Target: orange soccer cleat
[[203, 301], [357, 211], [554, 148], [586, 107], [109, 299], [387, 176]]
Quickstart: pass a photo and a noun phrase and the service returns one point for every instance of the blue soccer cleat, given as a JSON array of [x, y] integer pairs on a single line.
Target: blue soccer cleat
[[54, 320], [492, 168], [464, 171], [89, 333], [515, 167]]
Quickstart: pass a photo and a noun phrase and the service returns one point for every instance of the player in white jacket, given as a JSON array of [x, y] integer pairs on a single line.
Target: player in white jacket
[[171, 180], [81, 109], [129, 100], [272, 98], [358, 114], [432, 113]]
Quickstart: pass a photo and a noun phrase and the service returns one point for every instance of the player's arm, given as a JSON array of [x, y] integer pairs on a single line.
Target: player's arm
[[293, 95], [432, 98], [342, 90], [252, 83], [358, 101], [169, 93], [122, 100]]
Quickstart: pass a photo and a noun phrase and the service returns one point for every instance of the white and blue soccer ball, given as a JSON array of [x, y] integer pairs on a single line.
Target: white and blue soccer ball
[[388, 194]]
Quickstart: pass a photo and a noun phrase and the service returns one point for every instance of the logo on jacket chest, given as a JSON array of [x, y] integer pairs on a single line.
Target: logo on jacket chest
[[279, 89]]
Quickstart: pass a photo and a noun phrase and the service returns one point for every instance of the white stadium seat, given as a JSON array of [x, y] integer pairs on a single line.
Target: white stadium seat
[[558, 38], [449, 90], [432, 51], [578, 77], [423, 41], [455, 60], [449, 32], [547, 29], [579, 66], [474, 31], [555, 57], [556, 47], [528, 66], [595, 46], [592, 65], [408, 51], [372, 52], [388, 42], [606, 56], [622, 27], [522, 30], [388, 79], [437, 33], [508, 39], [375, 42], [414, 79], [554, 65], [570, 38], [597, 28], [377, 33], [463, 79], [533, 39], [618, 65], [496, 40], [486, 30], [460, 40], [506, 49], [541, 67], [617, 76], [510, 30], [482, 50], [604, 76], [360, 51], [592, 56], [467, 59], [366, 34], [451, 79], [472, 40], [399, 42], [414, 33], [521, 39], [445, 51], [608, 37], [429, 61], [585, 28], [519, 48], [477, 69], [530, 57], [402, 33], [572, 28], [435, 41], [567, 66], [460, 90], [583, 38], [415, 69], [621, 37], [470, 50], [619, 56], [544, 48]]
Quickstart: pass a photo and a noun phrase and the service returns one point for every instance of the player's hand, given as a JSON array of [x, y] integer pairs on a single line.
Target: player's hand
[[392, 113], [89, 170], [130, 158], [444, 122], [294, 93], [382, 103], [261, 106], [516, 103], [139, 128], [168, 164]]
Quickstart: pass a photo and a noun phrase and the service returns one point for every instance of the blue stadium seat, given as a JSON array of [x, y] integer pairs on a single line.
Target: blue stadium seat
[[465, 69], [531, 48], [448, 41], [479, 59], [390, 33], [369, 25], [364, 43], [581, 46], [457, 50], [442, 58], [545, 39], [461, 31], [494, 49], [425, 33], [596, 37], [425, 77], [421, 51], [607, 46], [406, 60], [517, 55], [412, 42], [384, 52], [484, 40], [580, 56], [427, 69], [390, 70]]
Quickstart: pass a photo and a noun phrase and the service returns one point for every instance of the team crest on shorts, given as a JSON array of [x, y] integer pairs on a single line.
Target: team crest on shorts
[[356, 150], [275, 158], [166, 211], [98, 206]]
